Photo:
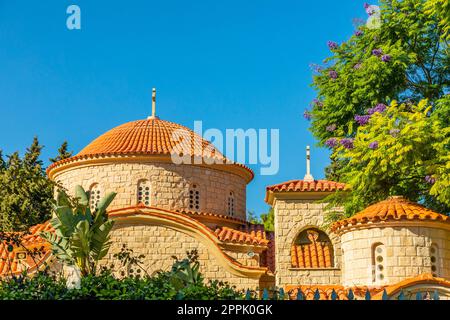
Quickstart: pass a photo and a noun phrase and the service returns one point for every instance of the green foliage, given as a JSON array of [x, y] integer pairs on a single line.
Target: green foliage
[[416, 67], [105, 286], [402, 151], [63, 153], [440, 9], [266, 219], [81, 237], [26, 195], [405, 59]]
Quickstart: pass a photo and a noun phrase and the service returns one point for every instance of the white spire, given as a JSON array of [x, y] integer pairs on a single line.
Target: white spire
[[308, 176], [153, 116]]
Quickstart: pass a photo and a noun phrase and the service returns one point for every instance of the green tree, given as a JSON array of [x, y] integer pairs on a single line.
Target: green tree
[[440, 9], [81, 237], [26, 195], [268, 220], [400, 151], [63, 153], [405, 59]]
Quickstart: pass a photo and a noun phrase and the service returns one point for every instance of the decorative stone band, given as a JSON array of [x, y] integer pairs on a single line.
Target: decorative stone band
[[214, 218], [185, 224], [395, 211], [100, 159]]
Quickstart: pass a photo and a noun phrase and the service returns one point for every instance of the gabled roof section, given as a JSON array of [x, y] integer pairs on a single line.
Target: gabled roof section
[[393, 209], [302, 186]]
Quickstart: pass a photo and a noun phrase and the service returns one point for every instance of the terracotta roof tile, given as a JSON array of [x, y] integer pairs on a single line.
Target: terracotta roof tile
[[305, 186], [392, 209], [326, 291], [314, 255], [250, 235], [152, 136], [212, 215], [29, 255], [422, 278]]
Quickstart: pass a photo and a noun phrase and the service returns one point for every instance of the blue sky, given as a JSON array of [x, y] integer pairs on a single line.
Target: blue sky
[[231, 64]]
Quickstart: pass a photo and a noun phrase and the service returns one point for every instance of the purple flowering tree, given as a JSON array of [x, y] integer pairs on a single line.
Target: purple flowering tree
[[402, 150], [357, 86]]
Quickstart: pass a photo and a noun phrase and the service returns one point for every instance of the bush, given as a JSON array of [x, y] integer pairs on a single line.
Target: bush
[[182, 282]]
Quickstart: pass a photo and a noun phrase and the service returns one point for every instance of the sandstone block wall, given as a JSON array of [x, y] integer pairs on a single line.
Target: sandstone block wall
[[292, 217], [159, 244], [407, 254], [170, 185]]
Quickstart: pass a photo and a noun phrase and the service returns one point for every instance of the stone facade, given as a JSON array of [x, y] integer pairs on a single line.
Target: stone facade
[[406, 253], [159, 243], [292, 216], [170, 185]]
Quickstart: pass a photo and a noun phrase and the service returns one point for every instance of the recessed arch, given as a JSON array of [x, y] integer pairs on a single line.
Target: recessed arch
[[312, 249]]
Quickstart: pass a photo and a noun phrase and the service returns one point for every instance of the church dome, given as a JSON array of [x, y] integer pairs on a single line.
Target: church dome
[[153, 137]]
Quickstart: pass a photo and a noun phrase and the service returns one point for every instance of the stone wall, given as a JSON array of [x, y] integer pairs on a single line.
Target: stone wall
[[170, 185], [159, 244], [407, 254], [292, 217]]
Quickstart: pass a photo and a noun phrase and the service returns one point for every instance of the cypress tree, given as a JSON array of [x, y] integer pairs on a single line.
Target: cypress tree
[[63, 153]]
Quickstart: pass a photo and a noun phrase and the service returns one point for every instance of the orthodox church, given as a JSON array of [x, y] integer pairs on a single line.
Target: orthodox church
[[164, 209]]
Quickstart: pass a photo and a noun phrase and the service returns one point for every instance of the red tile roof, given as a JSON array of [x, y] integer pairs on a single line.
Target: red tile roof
[[392, 209], [425, 278], [211, 215], [305, 186], [253, 235], [29, 254], [313, 255], [325, 291], [149, 137]]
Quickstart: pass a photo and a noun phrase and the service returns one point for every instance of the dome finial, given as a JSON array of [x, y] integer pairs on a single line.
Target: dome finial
[[308, 176], [153, 116]]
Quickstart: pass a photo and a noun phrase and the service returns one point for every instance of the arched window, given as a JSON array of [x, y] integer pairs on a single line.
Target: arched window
[[194, 197], [143, 192], [378, 262], [312, 249], [231, 203], [434, 257], [95, 195]]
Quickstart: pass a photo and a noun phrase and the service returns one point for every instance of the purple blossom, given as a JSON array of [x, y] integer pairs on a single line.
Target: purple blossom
[[317, 68], [332, 45], [347, 143], [307, 115], [373, 145], [378, 108], [362, 120], [331, 143], [386, 58], [430, 179], [317, 102], [366, 5], [358, 33], [332, 74], [357, 66], [331, 127], [377, 52], [394, 132]]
